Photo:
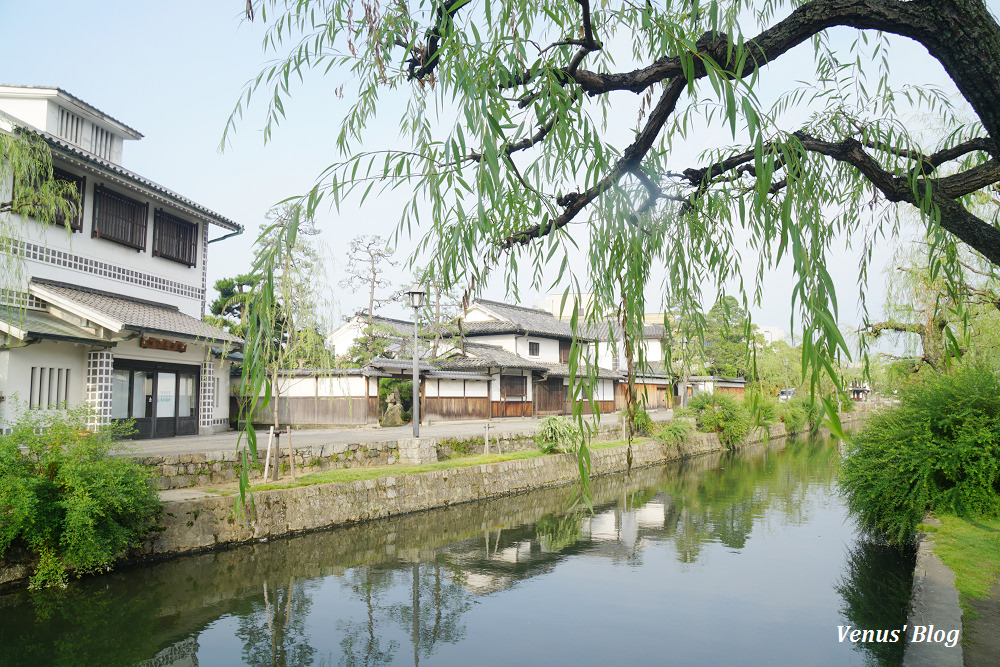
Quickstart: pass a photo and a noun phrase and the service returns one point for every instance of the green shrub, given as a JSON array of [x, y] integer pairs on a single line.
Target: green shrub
[[66, 498], [938, 449], [721, 414], [642, 423], [558, 434], [794, 414], [674, 433], [764, 410]]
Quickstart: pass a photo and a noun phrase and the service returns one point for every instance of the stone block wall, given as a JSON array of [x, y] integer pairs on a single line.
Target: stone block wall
[[181, 471]]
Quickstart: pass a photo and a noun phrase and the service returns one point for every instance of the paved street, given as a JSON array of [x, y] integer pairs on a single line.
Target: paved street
[[308, 437]]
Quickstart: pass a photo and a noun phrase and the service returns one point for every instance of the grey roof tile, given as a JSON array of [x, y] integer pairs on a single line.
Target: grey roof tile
[[75, 151], [531, 321], [136, 314], [40, 325]]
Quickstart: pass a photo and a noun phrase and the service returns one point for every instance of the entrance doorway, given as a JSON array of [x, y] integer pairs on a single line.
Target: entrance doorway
[[161, 398]]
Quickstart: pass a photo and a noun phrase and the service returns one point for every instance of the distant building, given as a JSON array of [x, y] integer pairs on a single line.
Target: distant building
[[107, 309]]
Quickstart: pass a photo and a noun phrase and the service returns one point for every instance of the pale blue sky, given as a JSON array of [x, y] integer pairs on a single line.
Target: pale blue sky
[[174, 71]]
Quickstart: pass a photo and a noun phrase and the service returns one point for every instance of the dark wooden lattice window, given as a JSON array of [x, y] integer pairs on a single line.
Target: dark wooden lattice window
[[119, 218], [76, 222], [174, 238], [533, 349], [25, 201], [513, 386]]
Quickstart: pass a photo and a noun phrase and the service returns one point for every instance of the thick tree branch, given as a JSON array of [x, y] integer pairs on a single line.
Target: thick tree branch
[[632, 157], [424, 59]]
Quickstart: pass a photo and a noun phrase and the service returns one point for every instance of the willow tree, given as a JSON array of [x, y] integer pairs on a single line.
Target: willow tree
[[536, 126], [29, 188]]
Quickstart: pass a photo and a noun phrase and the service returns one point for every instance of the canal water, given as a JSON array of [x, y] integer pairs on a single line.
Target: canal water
[[727, 559]]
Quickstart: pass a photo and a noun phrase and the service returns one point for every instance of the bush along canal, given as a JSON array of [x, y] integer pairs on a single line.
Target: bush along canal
[[737, 558]]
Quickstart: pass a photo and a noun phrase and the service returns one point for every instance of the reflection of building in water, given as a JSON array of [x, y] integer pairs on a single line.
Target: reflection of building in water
[[182, 654], [499, 559]]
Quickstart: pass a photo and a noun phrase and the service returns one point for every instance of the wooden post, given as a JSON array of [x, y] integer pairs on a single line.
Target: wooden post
[[276, 468], [486, 445], [291, 454], [267, 457]]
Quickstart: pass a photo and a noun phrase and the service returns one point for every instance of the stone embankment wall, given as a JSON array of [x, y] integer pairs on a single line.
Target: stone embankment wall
[[210, 523], [180, 471]]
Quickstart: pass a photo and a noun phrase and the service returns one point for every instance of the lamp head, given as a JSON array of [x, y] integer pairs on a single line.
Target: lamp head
[[416, 295]]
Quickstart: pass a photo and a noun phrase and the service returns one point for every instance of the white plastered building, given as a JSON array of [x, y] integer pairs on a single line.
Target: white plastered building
[[107, 308]]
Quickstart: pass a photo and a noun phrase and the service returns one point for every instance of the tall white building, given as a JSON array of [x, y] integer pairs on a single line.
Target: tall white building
[[107, 308]]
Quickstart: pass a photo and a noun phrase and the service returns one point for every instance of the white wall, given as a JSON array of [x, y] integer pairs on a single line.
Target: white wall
[[82, 245], [505, 341], [342, 338], [548, 349], [447, 388], [304, 386], [16, 373]]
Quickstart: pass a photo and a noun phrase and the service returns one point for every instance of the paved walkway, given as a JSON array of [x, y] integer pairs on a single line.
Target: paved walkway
[[227, 441]]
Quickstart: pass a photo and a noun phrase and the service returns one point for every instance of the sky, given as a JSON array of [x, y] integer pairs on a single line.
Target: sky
[[175, 71]]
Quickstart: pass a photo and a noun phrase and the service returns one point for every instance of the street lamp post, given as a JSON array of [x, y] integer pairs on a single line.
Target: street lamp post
[[684, 381], [416, 295]]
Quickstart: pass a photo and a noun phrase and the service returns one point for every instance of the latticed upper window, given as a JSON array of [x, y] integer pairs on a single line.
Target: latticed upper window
[[513, 386], [26, 201], [76, 222], [174, 238], [119, 218]]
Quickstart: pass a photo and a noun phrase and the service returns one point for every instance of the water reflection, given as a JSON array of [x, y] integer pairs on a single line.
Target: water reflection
[[443, 587], [875, 589]]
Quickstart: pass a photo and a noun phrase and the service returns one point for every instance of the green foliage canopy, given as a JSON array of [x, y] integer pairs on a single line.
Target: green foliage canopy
[[938, 450], [512, 158], [513, 153], [65, 495]]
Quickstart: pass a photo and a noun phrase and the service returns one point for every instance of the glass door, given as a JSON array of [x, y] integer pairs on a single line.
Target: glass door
[[165, 419]]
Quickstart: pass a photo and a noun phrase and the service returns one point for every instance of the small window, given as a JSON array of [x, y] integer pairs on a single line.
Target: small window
[[75, 223], [532, 349], [513, 386], [25, 204], [174, 238], [119, 218]]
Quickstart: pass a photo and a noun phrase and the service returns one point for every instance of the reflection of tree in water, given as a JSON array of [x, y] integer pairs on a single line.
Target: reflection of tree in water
[[274, 633], [80, 625], [556, 532], [875, 589], [723, 505], [361, 644], [435, 611]]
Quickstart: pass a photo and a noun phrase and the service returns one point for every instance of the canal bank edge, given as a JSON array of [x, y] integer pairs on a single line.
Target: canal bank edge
[[934, 602], [203, 524]]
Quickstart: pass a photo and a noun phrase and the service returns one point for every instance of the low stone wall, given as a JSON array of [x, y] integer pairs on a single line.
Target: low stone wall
[[180, 471], [210, 523]]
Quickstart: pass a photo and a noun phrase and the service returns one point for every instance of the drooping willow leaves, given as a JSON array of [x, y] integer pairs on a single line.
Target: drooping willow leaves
[[552, 140]]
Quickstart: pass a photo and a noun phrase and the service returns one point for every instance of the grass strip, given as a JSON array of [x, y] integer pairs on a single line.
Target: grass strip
[[971, 549], [378, 472]]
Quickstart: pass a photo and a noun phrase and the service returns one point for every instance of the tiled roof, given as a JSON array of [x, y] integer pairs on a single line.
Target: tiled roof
[[562, 371], [401, 327], [87, 156], [480, 328], [531, 321], [479, 356], [456, 375], [603, 331], [133, 314], [400, 364], [36, 324]]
